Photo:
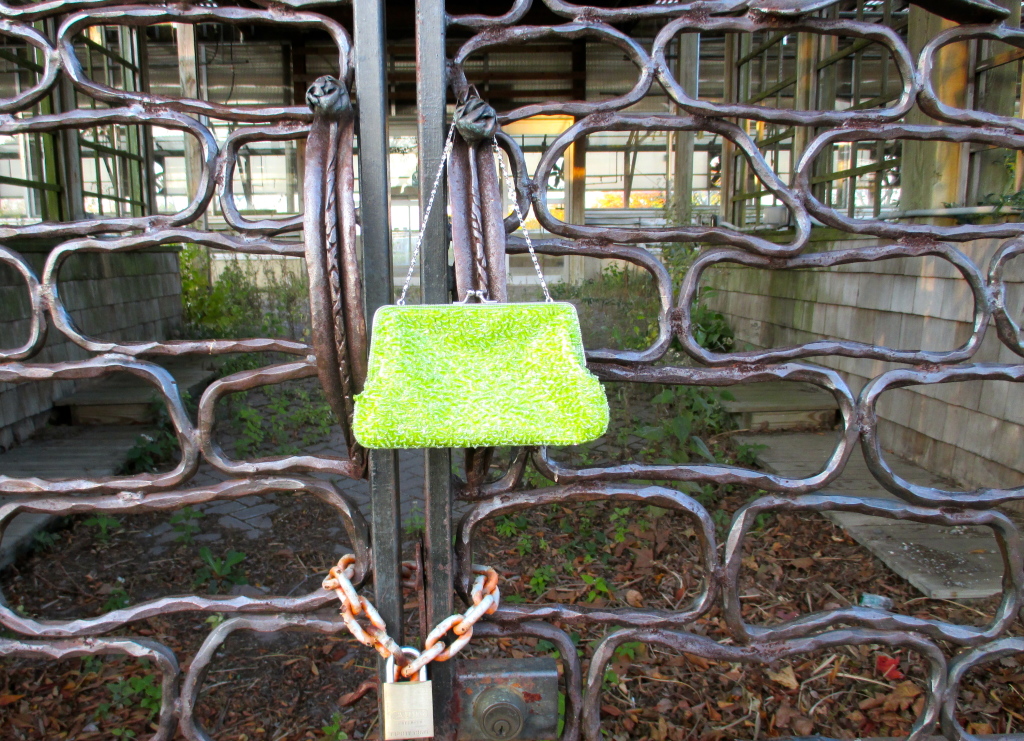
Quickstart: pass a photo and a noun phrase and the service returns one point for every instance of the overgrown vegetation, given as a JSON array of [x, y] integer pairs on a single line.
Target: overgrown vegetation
[[620, 308], [157, 449], [249, 298]]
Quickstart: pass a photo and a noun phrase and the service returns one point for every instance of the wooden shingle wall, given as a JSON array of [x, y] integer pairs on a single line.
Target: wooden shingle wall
[[134, 296], [972, 432]]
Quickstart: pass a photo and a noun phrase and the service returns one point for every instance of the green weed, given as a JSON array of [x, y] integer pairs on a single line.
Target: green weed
[[183, 522], [508, 526], [542, 578], [105, 524], [143, 692], [218, 572], [118, 599], [598, 587], [332, 731]]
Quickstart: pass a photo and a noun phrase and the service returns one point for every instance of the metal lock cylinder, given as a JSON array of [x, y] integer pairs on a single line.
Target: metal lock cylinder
[[500, 713]]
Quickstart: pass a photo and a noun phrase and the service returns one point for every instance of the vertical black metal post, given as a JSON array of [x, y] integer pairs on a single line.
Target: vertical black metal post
[[375, 211], [431, 93]]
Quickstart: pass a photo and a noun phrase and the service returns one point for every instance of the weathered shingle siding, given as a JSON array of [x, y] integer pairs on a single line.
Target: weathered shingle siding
[[973, 432], [133, 296]]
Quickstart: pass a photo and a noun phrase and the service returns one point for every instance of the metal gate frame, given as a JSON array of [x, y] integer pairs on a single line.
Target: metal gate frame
[[340, 332]]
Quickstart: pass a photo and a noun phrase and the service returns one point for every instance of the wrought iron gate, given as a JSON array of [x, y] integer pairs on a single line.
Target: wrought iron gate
[[345, 288]]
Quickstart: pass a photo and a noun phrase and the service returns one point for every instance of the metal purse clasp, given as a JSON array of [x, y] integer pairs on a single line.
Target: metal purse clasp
[[479, 295]]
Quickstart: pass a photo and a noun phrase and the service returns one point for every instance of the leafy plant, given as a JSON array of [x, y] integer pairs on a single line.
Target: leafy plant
[[746, 453], [156, 450], [332, 731], [183, 522], [547, 647], [542, 578], [524, 545], [415, 522], [92, 664], [104, 523], [627, 295], [620, 519], [251, 433], [143, 692], [711, 329], [721, 519], [628, 650], [45, 539], [150, 452], [598, 586], [508, 526], [218, 572], [249, 298], [117, 599], [610, 678], [289, 421], [215, 620]]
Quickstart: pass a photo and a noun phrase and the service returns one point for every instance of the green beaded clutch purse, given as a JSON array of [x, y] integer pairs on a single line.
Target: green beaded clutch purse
[[475, 375]]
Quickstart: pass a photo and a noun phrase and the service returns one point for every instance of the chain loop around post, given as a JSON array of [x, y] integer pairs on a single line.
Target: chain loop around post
[[510, 186], [486, 598]]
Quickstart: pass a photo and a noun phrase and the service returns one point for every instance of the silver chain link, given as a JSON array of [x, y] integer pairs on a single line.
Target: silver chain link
[[510, 184]]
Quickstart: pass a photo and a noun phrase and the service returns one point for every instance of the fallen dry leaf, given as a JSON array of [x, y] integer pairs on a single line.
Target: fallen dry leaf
[[786, 677]]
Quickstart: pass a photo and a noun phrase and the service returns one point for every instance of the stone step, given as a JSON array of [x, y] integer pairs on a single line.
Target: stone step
[[781, 405], [60, 453], [941, 562], [123, 399]]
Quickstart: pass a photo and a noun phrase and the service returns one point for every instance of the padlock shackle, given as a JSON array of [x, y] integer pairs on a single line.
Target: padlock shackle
[[390, 673]]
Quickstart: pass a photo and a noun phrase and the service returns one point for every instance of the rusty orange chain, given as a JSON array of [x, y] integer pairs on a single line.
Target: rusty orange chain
[[485, 595]]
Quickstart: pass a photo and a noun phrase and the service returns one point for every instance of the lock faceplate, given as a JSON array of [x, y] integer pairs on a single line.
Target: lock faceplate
[[507, 699]]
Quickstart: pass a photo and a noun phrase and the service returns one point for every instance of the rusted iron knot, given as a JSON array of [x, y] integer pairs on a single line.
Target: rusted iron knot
[[486, 598]]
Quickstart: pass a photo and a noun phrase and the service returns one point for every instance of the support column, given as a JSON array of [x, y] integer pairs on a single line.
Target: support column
[[688, 75], [378, 287], [188, 75], [998, 95], [300, 81], [805, 94], [148, 149], [575, 166], [934, 173], [728, 180], [438, 558]]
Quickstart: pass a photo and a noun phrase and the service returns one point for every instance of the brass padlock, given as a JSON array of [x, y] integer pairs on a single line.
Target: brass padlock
[[408, 706]]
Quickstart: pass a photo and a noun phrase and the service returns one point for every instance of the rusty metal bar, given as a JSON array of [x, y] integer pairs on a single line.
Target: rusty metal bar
[[375, 200], [435, 288]]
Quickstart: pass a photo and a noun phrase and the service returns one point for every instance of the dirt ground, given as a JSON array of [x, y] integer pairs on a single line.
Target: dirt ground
[[295, 686]]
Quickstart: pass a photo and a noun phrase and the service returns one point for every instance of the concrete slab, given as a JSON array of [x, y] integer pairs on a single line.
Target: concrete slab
[[778, 405], [61, 453], [941, 562], [93, 451], [121, 398]]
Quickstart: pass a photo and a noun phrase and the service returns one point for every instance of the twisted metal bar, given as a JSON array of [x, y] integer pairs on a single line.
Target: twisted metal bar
[[336, 350]]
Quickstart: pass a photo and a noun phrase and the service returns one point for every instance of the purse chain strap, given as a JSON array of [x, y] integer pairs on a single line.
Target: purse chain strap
[[445, 154]]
